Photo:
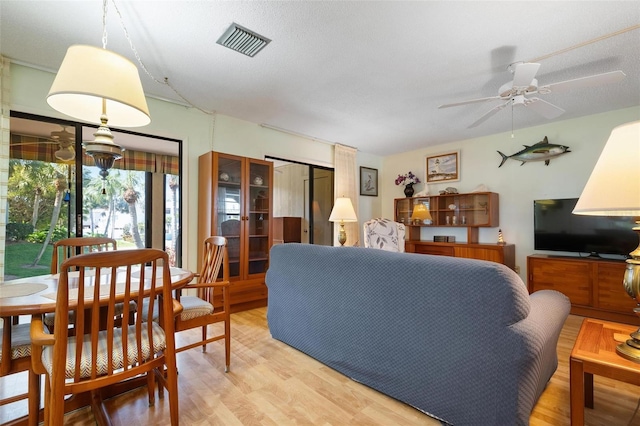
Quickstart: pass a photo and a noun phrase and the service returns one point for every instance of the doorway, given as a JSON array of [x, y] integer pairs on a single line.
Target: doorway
[[303, 198]]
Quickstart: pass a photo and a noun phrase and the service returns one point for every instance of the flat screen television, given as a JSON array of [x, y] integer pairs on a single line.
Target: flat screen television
[[556, 228]]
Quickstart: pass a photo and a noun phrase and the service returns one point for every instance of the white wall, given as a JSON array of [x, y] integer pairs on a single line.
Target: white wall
[[516, 185]]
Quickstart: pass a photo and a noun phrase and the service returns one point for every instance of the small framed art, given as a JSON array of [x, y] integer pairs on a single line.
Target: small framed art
[[443, 167], [368, 181]]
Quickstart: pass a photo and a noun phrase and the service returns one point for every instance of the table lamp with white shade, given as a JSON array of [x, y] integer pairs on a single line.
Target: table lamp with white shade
[[613, 189], [343, 212]]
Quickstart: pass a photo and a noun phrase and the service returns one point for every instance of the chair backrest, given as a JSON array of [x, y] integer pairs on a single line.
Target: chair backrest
[[214, 258], [93, 283], [215, 265], [384, 234], [69, 247]]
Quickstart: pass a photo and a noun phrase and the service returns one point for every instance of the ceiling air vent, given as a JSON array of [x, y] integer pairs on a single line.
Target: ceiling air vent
[[243, 40]]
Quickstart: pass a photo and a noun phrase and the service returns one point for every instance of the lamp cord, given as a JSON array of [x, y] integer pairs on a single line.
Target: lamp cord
[[512, 136], [165, 81], [104, 23]]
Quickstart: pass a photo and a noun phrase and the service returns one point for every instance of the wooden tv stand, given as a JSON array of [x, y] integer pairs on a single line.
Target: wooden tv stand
[[500, 253], [593, 285]]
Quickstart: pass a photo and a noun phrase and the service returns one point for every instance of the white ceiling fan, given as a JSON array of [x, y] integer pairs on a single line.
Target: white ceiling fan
[[65, 141], [524, 84]]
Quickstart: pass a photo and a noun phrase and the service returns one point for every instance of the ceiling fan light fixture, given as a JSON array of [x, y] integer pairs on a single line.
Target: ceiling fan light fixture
[[65, 154], [524, 83]]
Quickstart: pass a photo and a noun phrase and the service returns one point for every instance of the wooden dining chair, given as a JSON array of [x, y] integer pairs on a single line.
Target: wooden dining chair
[[117, 352], [68, 247], [15, 357], [211, 303]]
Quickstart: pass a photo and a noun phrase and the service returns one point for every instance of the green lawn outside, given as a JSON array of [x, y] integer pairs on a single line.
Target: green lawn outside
[[19, 257]]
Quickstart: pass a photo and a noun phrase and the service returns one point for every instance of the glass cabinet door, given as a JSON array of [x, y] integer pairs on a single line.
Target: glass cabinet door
[[403, 210], [258, 217], [229, 207]]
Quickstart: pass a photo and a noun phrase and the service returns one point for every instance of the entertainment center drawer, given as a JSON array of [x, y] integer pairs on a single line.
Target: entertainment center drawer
[[573, 278], [499, 253], [594, 286], [432, 249], [611, 294]]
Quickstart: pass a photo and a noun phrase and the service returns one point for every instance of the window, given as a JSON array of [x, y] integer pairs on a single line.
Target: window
[[55, 191]]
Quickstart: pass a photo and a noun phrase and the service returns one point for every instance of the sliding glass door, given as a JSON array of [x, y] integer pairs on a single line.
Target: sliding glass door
[[55, 191], [303, 194]]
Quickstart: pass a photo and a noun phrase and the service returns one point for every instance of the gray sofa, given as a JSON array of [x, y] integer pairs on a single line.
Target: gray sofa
[[459, 339]]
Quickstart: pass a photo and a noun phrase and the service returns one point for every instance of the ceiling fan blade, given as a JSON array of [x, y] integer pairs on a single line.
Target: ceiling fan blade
[[543, 108], [34, 143], [524, 74], [583, 82], [472, 101], [489, 114]]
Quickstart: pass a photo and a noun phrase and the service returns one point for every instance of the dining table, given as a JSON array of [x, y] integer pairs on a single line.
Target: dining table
[[36, 295]]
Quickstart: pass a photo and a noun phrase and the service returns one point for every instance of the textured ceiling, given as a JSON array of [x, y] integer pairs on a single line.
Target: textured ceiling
[[365, 74]]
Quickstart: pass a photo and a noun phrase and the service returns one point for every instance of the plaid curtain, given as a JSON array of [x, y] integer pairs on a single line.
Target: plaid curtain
[[136, 160], [33, 148], [169, 165]]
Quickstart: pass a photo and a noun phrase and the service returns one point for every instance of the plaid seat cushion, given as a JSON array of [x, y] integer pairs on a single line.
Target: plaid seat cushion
[[159, 344], [193, 307], [20, 341], [119, 308]]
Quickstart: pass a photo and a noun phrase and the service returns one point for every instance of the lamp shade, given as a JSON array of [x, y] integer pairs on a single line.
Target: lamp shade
[[343, 211], [420, 212], [88, 75], [613, 189]]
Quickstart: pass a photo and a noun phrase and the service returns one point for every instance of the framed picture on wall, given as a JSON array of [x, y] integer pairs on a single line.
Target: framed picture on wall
[[368, 181], [443, 167]]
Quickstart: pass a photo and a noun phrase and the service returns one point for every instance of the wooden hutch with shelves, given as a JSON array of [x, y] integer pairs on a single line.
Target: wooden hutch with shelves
[[470, 211], [234, 201]]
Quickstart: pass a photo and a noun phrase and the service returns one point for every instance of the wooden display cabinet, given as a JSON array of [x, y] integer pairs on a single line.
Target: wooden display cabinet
[[471, 211], [234, 201]]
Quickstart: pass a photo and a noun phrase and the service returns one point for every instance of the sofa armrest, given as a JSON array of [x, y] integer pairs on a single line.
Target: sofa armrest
[[542, 327]]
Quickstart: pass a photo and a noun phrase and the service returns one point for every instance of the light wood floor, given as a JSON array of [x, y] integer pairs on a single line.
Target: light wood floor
[[273, 384]]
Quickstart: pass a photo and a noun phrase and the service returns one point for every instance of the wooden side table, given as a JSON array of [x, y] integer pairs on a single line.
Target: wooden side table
[[594, 352]]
